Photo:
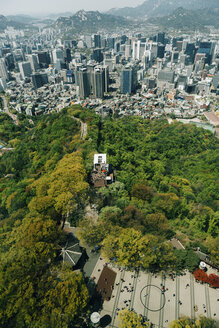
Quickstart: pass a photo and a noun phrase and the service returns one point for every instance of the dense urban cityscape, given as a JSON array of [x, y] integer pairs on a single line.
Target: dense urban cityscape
[[109, 126]]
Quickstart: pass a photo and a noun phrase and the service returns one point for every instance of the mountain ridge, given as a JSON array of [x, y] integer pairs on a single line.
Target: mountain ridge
[[151, 8], [90, 21]]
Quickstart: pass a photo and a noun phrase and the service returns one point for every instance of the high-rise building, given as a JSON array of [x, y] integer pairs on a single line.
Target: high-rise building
[[110, 42], [98, 55], [98, 90], [128, 51], [39, 79], [9, 61], [67, 55], [3, 84], [33, 59], [3, 69], [190, 51], [88, 41], [160, 50], [160, 37], [117, 46], [25, 69], [128, 79], [97, 41], [206, 48], [175, 56], [43, 59], [58, 54], [84, 87]]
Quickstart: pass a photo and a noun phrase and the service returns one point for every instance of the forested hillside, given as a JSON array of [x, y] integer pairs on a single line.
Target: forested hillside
[[42, 181], [166, 185]]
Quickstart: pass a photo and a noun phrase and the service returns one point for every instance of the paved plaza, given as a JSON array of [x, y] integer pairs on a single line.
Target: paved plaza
[[160, 299]]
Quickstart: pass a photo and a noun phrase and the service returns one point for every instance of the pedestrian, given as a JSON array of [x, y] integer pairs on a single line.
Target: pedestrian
[[174, 295]]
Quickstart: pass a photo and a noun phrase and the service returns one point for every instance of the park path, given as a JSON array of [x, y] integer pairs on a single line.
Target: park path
[[6, 110], [83, 127]]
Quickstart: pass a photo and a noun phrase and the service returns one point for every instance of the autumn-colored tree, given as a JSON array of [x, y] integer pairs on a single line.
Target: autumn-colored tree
[[142, 191], [130, 248], [156, 222], [130, 319], [63, 191], [213, 280], [132, 217], [201, 275]]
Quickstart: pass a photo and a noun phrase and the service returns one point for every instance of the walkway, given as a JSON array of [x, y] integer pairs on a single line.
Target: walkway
[[181, 296], [6, 110], [83, 127]]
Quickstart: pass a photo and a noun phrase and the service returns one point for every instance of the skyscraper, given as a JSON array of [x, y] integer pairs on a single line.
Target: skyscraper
[[160, 50], [67, 55], [206, 48], [84, 88], [160, 37], [98, 83], [3, 69], [44, 59], [25, 69], [98, 55], [58, 54], [33, 59], [97, 41], [128, 79], [39, 79]]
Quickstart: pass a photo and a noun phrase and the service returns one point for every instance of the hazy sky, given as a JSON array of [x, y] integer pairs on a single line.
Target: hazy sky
[[53, 6]]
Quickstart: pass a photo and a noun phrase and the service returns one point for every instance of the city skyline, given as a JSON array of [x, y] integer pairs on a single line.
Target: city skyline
[[12, 7]]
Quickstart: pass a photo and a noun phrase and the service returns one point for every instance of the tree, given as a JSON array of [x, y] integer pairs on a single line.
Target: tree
[[130, 248], [34, 292], [63, 191], [212, 245], [130, 319], [156, 222], [92, 233], [132, 217], [200, 275], [168, 203], [67, 185], [186, 259], [213, 280], [191, 260], [201, 322], [142, 191], [110, 214]]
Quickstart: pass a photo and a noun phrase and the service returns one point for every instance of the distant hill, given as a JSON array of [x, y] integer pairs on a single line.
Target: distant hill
[[5, 22], [23, 19], [91, 21], [188, 19], [151, 8]]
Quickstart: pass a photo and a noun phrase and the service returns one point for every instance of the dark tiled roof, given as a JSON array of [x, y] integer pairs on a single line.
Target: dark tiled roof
[[106, 282]]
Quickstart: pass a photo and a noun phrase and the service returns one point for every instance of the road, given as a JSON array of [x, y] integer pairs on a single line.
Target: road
[[83, 127], [6, 110]]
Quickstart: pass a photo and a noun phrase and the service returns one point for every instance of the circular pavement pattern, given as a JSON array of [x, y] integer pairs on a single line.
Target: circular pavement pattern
[[157, 293]]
